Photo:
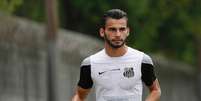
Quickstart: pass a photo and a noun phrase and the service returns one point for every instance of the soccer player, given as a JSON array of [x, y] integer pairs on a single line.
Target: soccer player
[[117, 71]]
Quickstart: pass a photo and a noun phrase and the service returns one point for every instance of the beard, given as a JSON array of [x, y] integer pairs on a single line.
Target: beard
[[114, 43]]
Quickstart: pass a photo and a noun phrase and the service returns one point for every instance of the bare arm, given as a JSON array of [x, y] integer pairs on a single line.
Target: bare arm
[[155, 92], [80, 94]]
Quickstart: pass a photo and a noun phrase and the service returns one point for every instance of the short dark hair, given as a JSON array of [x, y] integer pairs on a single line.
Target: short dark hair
[[114, 14]]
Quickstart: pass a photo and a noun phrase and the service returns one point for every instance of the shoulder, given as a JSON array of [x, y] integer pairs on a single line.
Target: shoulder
[[147, 59], [134, 52], [87, 60]]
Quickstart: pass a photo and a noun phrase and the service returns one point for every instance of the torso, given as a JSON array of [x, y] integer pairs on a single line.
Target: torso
[[117, 78]]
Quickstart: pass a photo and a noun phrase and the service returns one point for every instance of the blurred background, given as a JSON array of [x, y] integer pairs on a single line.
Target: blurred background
[[42, 45]]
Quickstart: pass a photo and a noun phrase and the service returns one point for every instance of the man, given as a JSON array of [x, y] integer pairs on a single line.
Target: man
[[117, 71]]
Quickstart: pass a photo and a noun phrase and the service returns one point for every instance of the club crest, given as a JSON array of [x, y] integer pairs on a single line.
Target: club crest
[[128, 72]]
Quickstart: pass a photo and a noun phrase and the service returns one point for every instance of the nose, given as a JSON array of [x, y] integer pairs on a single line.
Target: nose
[[118, 33]]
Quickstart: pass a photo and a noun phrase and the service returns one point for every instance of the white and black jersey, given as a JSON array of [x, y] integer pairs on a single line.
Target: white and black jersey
[[117, 78]]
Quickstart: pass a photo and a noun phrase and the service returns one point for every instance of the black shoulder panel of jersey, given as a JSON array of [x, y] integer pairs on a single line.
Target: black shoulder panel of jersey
[[148, 75], [85, 77]]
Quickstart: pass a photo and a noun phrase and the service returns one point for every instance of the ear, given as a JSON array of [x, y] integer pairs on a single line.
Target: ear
[[101, 32]]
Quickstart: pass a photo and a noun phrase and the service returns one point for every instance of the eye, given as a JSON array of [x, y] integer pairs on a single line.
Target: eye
[[112, 29], [122, 29]]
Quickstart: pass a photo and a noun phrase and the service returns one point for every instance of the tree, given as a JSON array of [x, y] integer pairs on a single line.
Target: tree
[[32, 9], [165, 27]]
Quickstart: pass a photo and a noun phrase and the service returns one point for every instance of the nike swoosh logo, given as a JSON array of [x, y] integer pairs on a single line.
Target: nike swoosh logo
[[100, 73]]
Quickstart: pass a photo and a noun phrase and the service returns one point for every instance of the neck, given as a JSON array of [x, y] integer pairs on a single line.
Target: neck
[[115, 52]]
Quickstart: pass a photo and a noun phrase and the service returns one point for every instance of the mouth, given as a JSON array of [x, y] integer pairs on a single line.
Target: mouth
[[118, 40]]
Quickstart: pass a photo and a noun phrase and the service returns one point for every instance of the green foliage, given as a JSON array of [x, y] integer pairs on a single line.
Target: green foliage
[[32, 9], [167, 27], [9, 6]]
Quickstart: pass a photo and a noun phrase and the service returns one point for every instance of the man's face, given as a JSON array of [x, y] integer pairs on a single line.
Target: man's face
[[115, 32]]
